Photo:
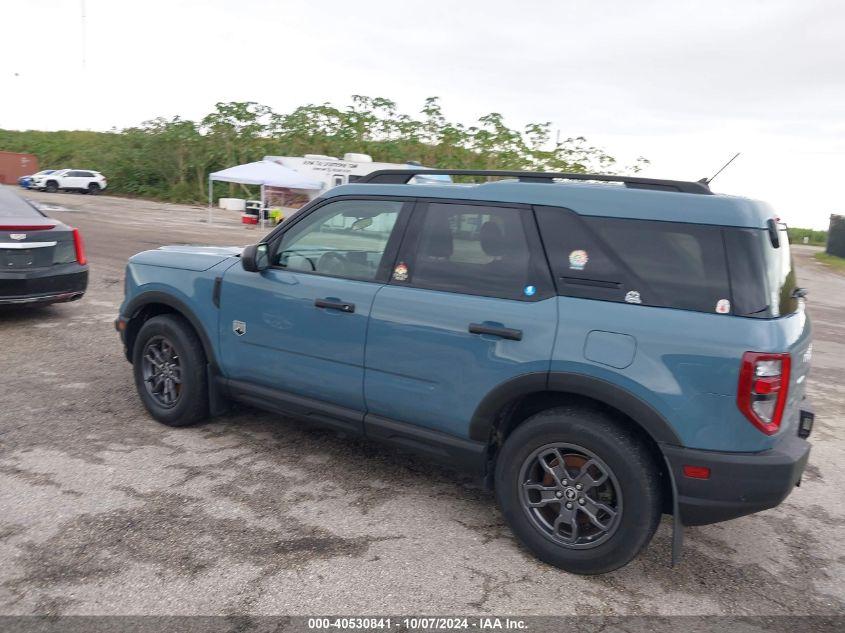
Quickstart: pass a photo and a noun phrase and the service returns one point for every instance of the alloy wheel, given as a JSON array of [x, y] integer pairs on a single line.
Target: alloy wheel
[[162, 371], [570, 495]]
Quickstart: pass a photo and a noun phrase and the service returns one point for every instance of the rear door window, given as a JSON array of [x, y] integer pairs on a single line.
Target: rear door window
[[476, 249], [665, 264]]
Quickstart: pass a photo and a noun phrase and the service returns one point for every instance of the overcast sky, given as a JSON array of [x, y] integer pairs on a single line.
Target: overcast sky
[[684, 83]]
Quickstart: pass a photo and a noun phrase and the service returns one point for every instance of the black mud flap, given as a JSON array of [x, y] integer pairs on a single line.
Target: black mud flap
[[218, 403], [677, 526]]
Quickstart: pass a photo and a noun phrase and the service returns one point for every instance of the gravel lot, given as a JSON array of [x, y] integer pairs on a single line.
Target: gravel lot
[[104, 511]]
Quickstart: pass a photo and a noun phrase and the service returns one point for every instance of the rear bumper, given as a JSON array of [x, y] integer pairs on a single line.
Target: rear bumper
[[51, 285], [739, 483]]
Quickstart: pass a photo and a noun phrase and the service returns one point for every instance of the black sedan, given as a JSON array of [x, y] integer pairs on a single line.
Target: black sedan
[[41, 259]]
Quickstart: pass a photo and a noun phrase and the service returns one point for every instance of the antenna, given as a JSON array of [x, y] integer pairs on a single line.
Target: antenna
[[707, 181]]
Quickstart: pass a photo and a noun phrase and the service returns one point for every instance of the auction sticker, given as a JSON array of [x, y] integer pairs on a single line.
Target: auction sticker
[[400, 273], [578, 260]]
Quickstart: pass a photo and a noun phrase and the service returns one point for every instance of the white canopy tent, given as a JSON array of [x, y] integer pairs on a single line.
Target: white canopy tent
[[263, 173]]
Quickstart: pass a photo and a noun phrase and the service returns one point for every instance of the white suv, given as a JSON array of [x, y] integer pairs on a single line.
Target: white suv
[[70, 180]]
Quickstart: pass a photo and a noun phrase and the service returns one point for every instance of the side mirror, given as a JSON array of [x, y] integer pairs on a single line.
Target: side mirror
[[255, 258]]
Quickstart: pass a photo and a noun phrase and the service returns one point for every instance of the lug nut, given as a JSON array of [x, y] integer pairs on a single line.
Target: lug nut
[[581, 500], [558, 494], [568, 506], [564, 482], [579, 487]]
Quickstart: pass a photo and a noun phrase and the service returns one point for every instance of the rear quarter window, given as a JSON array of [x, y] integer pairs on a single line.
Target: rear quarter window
[[665, 264]]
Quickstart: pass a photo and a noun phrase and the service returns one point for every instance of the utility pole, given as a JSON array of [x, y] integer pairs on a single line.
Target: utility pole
[[82, 7]]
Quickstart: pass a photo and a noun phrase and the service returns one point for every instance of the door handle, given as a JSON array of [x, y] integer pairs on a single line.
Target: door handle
[[334, 305], [504, 332]]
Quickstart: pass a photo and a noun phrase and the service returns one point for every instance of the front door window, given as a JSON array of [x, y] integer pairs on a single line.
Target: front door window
[[345, 239]]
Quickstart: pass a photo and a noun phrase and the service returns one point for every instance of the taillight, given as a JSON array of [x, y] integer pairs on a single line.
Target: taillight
[[79, 246], [763, 387]]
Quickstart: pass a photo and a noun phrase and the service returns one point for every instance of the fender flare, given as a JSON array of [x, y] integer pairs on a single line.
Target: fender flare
[[139, 302], [481, 425]]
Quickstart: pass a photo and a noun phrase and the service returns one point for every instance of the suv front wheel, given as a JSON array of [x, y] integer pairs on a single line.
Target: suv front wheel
[[578, 489], [170, 371]]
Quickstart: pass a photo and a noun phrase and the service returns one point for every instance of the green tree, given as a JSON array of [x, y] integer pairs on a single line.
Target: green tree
[[170, 159]]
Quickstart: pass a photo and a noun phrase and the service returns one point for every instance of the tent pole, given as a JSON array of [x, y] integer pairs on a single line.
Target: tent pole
[[210, 195], [261, 209]]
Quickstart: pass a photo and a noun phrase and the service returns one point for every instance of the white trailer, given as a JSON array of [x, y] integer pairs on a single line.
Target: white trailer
[[331, 171]]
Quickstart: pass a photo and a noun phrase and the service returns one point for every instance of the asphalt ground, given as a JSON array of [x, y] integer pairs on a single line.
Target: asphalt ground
[[104, 511]]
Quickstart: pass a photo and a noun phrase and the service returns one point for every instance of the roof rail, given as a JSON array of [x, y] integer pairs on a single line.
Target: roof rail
[[402, 176]]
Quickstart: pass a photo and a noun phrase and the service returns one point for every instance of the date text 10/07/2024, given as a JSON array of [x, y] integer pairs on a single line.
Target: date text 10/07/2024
[[417, 623]]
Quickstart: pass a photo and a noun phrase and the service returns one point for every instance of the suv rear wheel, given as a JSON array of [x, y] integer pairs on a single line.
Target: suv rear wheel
[[169, 366], [51, 187], [578, 489], [93, 188]]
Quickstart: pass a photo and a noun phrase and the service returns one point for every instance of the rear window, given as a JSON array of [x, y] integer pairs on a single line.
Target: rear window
[[763, 276], [665, 264], [11, 206]]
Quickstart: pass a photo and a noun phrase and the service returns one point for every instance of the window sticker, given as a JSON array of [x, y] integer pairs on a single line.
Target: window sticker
[[529, 291], [633, 296], [578, 260], [723, 306], [400, 273]]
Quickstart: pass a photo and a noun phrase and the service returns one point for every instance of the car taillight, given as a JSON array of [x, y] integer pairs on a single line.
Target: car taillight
[[79, 246], [763, 387]]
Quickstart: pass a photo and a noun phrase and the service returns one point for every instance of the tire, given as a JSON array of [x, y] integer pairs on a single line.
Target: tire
[[190, 404], [51, 187], [591, 444], [93, 188]]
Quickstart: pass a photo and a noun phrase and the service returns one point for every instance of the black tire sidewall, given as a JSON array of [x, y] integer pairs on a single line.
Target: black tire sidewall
[[193, 400], [623, 453]]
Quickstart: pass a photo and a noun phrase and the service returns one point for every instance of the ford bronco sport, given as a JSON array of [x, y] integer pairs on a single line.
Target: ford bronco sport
[[600, 352]]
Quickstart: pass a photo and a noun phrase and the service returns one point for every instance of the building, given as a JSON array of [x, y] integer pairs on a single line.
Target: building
[[13, 165]]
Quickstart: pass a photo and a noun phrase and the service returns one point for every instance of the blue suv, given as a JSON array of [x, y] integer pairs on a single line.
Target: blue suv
[[600, 349]]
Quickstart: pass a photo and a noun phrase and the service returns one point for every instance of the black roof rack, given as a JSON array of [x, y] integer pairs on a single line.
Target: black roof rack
[[402, 176]]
